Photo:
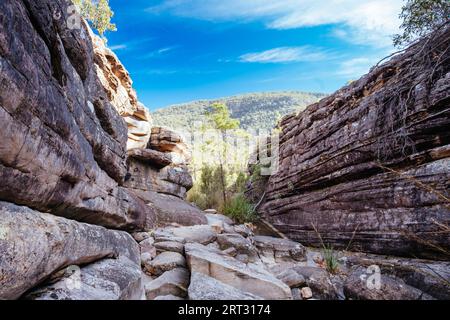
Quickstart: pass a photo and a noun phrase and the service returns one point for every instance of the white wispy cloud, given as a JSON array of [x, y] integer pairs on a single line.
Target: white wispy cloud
[[118, 47], [368, 21], [158, 52], [285, 55], [131, 45]]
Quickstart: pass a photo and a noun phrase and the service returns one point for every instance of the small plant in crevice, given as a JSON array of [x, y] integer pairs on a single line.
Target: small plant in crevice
[[330, 259]]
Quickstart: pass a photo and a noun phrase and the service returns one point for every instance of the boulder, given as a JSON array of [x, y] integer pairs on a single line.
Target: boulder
[[163, 235], [242, 245], [147, 246], [359, 286], [171, 246], [306, 293], [106, 279], [369, 165], [202, 234], [245, 277], [173, 180], [243, 230], [320, 282], [278, 250], [165, 261], [140, 236], [166, 140], [171, 209], [430, 277], [213, 218], [292, 278], [34, 245], [152, 157], [173, 282], [203, 287]]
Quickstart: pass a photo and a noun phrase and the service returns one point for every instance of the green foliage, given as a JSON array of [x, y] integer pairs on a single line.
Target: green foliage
[[240, 209], [254, 111], [98, 13], [221, 117], [421, 17], [330, 259]]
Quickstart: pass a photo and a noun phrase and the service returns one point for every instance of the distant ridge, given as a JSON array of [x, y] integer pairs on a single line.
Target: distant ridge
[[254, 110]]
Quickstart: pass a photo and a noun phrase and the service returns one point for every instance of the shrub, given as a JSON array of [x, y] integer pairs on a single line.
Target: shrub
[[98, 13], [330, 259], [240, 209]]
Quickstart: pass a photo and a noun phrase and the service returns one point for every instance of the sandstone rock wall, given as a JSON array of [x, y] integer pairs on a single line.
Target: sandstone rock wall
[[69, 123], [369, 166], [63, 144]]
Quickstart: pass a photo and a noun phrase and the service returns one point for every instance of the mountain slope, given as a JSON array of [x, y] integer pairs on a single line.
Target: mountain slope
[[255, 110]]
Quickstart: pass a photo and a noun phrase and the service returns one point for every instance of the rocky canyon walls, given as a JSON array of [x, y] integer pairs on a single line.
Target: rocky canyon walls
[[368, 167], [70, 128]]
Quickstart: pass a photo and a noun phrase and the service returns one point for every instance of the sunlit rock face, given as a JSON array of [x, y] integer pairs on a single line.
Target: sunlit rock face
[[119, 88], [369, 166]]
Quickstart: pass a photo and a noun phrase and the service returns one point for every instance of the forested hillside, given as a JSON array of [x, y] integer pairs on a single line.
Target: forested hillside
[[255, 110]]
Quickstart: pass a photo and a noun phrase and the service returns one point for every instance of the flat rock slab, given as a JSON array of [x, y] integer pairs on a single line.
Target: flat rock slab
[[165, 261], [203, 287], [202, 234], [359, 287], [171, 209], [213, 218], [33, 245], [107, 279], [174, 282], [238, 242], [280, 249], [171, 246], [292, 278], [245, 277], [431, 277]]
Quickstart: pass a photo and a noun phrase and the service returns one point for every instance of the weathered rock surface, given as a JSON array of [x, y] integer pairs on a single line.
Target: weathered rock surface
[[292, 278], [166, 140], [155, 158], [202, 234], [241, 245], [170, 209], [203, 287], [34, 245], [165, 261], [278, 250], [107, 279], [174, 282], [245, 277], [430, 277], [390, 288], [330, 155], [119, 89], [172, 180], [63, 144], [172, 246]]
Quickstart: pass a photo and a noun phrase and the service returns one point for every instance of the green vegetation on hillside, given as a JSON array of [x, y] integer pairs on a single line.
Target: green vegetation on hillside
[[254, 111]]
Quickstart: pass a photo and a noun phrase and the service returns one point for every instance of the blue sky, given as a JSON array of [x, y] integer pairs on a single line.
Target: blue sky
[[182, 50]]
